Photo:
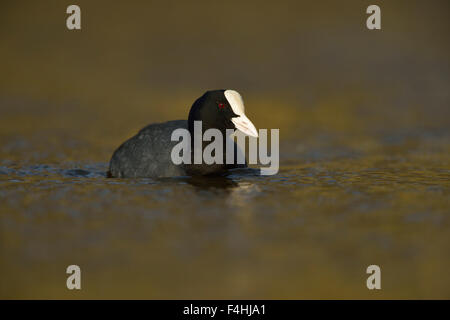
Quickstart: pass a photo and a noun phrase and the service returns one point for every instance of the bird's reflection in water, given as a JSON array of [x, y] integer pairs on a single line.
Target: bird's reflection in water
[[212, 182], [229, 182], [238, 194]]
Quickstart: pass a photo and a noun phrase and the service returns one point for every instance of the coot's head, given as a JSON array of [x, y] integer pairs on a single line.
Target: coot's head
[[221, 109]]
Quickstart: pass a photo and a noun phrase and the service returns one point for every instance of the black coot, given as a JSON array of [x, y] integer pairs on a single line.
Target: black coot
[[148, 153]]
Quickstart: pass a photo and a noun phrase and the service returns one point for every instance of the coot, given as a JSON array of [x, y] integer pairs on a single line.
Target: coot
[[148, 153]]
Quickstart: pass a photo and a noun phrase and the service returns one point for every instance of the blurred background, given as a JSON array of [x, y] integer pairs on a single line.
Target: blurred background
[[364, 123]]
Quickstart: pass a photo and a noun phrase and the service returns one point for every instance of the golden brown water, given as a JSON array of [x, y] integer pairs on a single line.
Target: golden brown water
[[364, 125]]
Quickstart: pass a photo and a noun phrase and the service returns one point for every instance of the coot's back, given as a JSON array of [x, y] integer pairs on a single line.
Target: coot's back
[[147, 154]]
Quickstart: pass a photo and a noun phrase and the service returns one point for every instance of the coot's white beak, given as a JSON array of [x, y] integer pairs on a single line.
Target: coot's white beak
[[244, 124], [241, 122]]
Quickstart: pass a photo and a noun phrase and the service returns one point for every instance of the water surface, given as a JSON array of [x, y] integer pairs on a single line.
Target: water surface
[[364, 176]]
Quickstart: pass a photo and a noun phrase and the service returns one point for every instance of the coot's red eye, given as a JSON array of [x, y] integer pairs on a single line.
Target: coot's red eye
[[221, 105]]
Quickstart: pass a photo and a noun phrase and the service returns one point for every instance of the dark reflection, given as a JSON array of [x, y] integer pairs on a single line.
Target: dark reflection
[[83, 173], [226, 181], [77, 173], [212, 182]]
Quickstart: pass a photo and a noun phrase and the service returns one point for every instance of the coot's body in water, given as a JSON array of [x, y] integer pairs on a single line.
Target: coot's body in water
[[148, 153]]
